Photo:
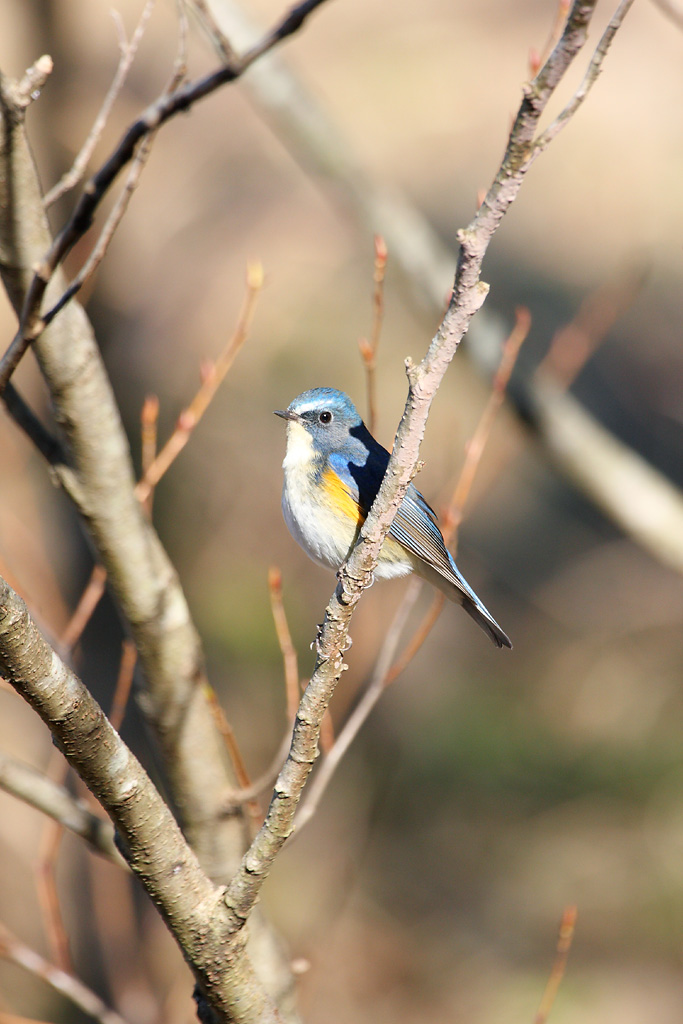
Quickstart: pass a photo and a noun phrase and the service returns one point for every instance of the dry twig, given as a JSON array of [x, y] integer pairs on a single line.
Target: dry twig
[[128, 51], [368, 348], [11, 948], [158, 113], [41, 792], [469, 292], [284, 639], [212, 378], [564, 942]]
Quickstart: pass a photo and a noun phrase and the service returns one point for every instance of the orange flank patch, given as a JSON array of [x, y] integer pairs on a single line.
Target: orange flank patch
[[339, 499]]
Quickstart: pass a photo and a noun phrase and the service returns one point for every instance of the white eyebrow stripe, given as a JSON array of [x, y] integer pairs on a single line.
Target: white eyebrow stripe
[[301, 407]]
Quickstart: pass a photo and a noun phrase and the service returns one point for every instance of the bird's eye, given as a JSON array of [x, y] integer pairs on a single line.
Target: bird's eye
[[325, 417]]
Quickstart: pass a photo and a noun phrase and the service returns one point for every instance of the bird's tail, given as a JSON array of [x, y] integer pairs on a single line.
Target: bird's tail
[[460, 592]]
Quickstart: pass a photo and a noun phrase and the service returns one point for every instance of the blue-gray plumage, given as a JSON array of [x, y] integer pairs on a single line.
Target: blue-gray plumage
[[333, 470]]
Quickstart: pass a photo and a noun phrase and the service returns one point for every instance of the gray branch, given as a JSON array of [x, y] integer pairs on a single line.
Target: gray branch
[[29, 785], [424, 380], [155, 848]]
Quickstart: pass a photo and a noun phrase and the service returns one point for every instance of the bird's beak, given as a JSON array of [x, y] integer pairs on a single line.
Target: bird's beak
[[286, 414]]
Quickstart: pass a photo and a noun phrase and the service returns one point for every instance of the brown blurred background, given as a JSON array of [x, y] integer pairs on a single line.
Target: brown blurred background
[[488, 790]]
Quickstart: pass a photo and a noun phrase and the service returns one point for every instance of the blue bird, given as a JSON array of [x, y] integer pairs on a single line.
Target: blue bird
[[333, 470]]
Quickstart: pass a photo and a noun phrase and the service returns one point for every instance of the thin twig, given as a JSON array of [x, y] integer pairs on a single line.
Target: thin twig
[[22, 93], [368, 348], [221, 42], [284, 639], [48, 895], [536, 59], [128, 51], [124, 681], [475, 446], [149, 423], [157, 114], [46, 795], [564, 943], [88, 601], [236, 797], [387, 669], [11, 948], [469, 293], [99, 250], [213, 376], [590, 78]]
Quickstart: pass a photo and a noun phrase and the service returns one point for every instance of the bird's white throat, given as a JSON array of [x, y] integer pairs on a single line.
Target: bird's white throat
[[299, 447]]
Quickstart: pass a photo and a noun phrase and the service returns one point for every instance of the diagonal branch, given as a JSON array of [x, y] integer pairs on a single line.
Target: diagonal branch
[[11, 948], [154, 846], [54, 800], [128, 51], [167, 106], [468, 295]]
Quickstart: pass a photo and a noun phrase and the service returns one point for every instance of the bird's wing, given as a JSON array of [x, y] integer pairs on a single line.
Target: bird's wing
[[415, 527]]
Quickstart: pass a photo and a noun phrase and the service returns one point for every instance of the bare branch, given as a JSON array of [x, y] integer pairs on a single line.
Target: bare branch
[[54, 800], [468, 295], [158, 113], [128, 51], [155, 848], [589, 80], [79, 994], [213, 377], [564, 943], [284, 639], [369, 347], [28, 88], [672, 9]]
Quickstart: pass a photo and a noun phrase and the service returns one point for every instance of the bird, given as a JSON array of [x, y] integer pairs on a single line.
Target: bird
[[333, 468]]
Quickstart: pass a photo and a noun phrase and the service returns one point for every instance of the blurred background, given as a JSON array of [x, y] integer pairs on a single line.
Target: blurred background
[[489, 790]]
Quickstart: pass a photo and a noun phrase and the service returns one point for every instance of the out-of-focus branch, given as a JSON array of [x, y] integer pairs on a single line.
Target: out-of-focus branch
[[54, 800], [420, 255], [99, 477], [673, 9], [369, 346], [639, 499], [154, 846], [168, 105], [213, 375], [564, 944], [284, 639], [11, 948], [128, 51], [424, 379]]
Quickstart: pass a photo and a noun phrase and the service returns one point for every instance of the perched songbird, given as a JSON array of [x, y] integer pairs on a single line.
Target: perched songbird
[[333, 470]]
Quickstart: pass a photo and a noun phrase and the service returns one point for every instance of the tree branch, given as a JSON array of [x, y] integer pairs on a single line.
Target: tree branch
[[154, 846], [29, 785], [468, 295], [419, 253], [31, 324]]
